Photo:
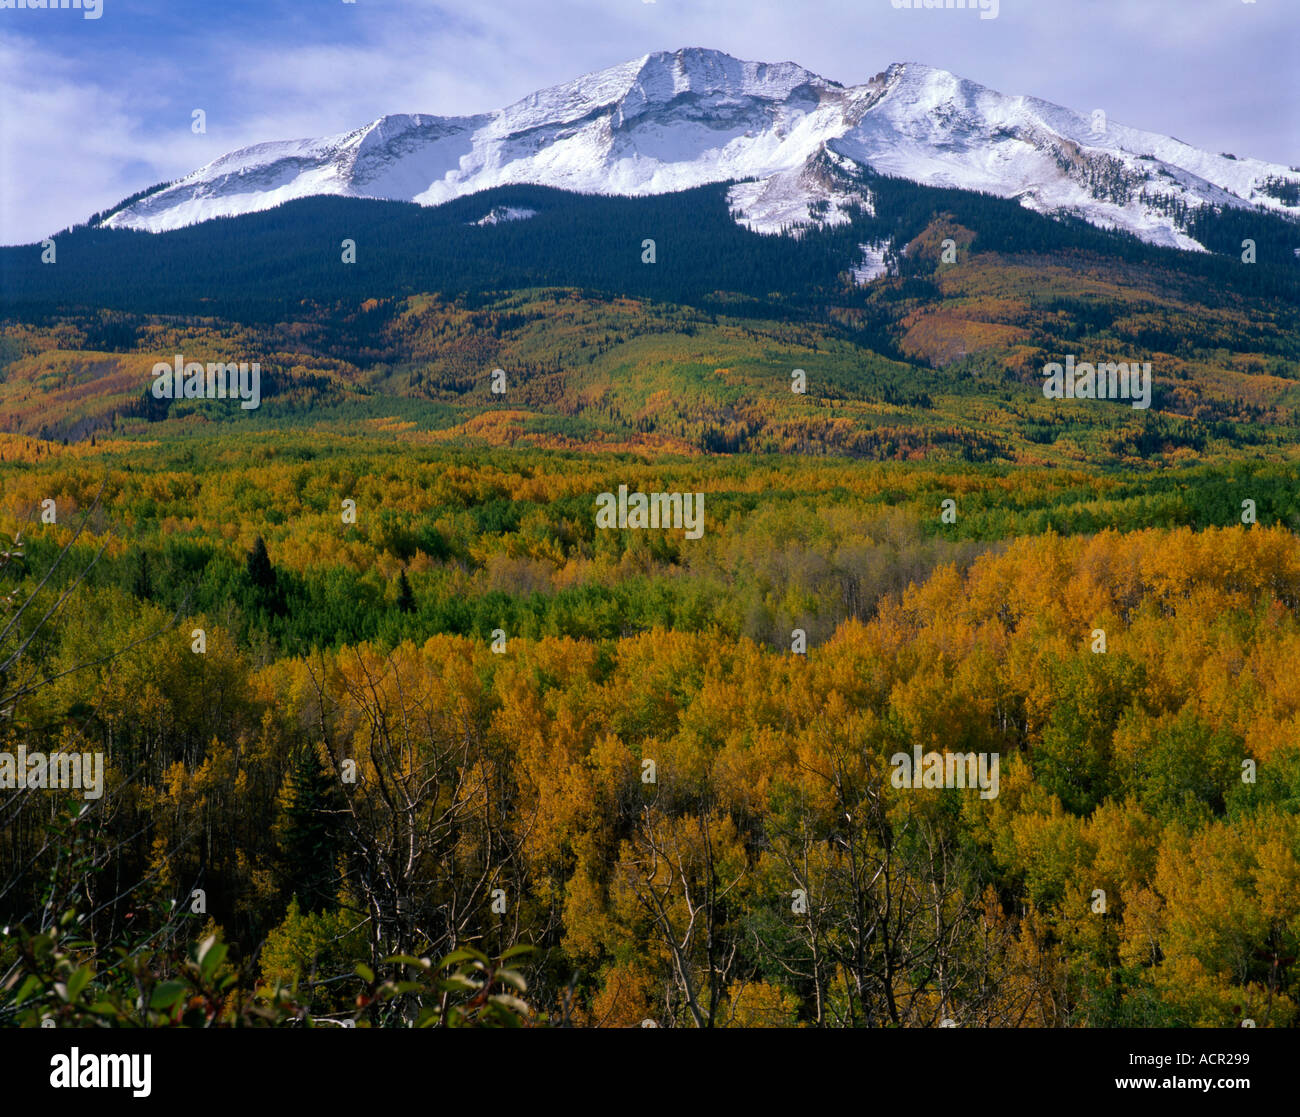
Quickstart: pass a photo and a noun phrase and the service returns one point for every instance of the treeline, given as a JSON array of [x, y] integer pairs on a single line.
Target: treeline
[[261, 267]]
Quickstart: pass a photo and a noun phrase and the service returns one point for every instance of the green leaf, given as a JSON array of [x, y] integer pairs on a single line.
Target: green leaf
[[211, 955], [513, 979], [167, 994], [511, 1010], [365, 973], [514, 1004], [77, 982], [409, 960], [456, 982], [28, 988], [465, 954], [515, 951]]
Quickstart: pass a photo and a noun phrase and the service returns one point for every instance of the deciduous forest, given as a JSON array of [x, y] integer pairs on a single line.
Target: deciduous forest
[[393, 732]]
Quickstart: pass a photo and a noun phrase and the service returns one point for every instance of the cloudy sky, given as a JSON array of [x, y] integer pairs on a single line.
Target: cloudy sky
[[92, 110]]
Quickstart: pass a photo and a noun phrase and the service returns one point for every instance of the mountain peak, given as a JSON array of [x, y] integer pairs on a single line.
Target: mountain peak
[[788, 138], [658, 79]]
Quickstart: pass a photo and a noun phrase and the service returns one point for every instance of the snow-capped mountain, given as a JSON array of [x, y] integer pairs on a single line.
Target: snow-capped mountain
[[793, 142]]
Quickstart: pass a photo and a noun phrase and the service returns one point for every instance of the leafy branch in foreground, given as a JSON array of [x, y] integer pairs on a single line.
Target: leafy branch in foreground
[[47, 982], [467, 990]]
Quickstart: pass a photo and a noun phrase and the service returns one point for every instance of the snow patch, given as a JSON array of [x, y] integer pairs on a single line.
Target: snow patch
[[783, 203], [497, 214], [873, 264]]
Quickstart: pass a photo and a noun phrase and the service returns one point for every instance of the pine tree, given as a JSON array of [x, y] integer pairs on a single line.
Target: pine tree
[[260, 571], [308, 831], [142, 582], [405, 598]]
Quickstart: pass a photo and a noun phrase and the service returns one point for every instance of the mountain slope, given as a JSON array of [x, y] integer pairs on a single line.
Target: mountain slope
[[793, 142]]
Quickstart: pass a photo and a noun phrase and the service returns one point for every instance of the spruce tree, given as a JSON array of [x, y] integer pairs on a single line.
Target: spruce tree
[[142, 581], [260, 571], [308, 830], [405, 598]]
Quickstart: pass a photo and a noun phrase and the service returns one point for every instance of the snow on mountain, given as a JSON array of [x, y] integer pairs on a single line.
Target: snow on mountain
[[873, 265], [791, 141], [497, 214]]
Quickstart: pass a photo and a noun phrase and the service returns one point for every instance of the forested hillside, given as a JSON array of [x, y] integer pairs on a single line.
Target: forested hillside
[[263, 266], [380, 696]]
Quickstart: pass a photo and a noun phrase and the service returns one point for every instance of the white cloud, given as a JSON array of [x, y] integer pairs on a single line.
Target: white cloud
[[71, 146]]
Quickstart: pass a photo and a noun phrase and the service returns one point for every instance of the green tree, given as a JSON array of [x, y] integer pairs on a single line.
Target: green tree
[[405, 598], [260, 571], [308, 830]]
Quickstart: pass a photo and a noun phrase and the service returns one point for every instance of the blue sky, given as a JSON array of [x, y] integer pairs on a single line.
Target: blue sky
[[94, 109]]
